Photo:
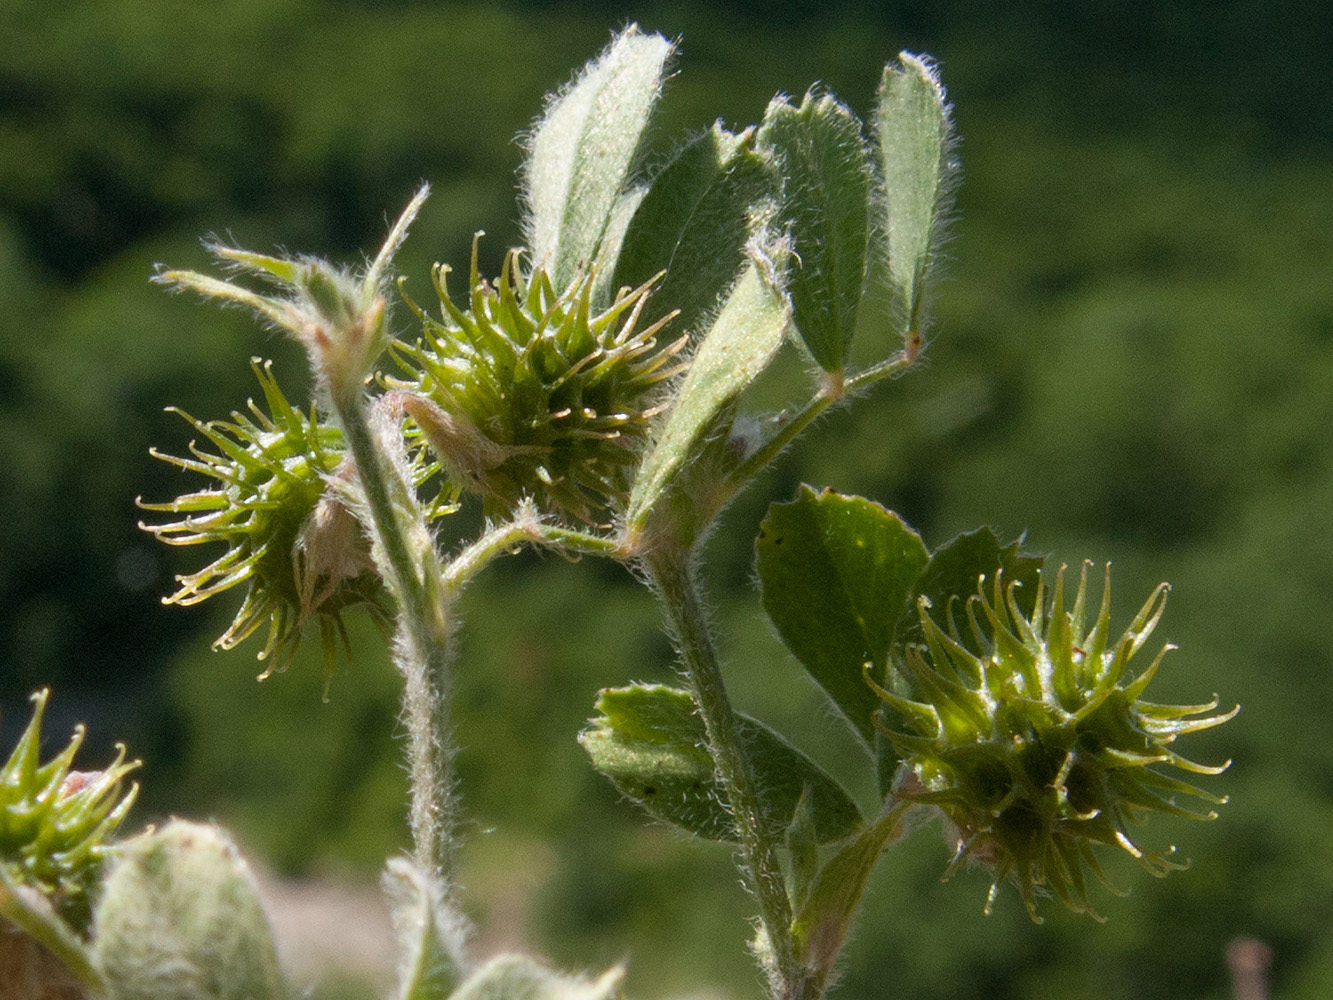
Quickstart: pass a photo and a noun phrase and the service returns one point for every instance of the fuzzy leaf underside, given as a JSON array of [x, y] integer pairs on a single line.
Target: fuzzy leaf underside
[[582, 152], [826, 205], [517, 977], [739, 345], [604, 286], [915, 140], [428, 969], [836, 572], [651, 743]]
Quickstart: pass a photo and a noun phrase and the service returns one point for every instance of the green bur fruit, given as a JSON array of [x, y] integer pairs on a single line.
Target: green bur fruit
[[288, 537], [1034, 741], [179, 919], [529, 392], [54, 822]]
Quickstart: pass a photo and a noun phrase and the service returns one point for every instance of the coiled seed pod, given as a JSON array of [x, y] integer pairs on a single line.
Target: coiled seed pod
[[55, 822], [527, 392], [288, 536], [1033, 738]]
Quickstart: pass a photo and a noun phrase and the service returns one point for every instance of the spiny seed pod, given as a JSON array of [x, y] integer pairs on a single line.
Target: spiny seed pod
[[54, 822], [527, 392], [288, 535], [180, 919], [1035, 742]]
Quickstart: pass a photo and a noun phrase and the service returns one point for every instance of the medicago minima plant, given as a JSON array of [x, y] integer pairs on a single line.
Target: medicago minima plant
[[587, 399]]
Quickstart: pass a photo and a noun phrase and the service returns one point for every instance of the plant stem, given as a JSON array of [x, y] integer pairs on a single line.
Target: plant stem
[[508, 536], [828, 394], [50, 932], [421, 650], [673, 578]]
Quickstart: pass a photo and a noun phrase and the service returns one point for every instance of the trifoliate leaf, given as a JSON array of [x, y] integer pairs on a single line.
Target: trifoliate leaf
[[651, 743]]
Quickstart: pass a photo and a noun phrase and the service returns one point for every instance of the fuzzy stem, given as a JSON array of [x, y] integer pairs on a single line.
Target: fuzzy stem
[[829, 393], [507, 537], [421, 652], [672, 576], [50, 932]]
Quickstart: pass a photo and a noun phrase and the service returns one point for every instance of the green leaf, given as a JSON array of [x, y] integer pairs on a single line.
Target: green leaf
[[666, 207], [650, 741], [583, 150], [695, 222], [954, 569], [604, 287], [429, 944], [803, 849], [825, 170], [713, 246], [743, 339], [180, 918], [915, 141], [820, 925], [517, 977], [836, 573]]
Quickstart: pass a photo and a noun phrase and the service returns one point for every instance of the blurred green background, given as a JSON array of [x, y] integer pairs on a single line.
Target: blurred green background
[[1132, 360]]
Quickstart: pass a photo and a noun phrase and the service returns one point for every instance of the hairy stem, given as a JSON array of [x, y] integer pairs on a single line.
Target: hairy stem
[[421, 649], [830, 392], [672, 576], [510, 536]]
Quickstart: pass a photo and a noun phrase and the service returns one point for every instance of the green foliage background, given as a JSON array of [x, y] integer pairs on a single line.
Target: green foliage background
[[1133, 360]]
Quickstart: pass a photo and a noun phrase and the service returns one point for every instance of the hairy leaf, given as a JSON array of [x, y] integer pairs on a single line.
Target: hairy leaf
[[915, 140], [666, 209], [650, 741], [430, 946], [741, 342], [583, 150], [836, 573], [517, 977], [825, 168]]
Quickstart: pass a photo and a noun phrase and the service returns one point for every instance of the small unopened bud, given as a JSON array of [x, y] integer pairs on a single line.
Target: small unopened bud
[[180, 919]]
